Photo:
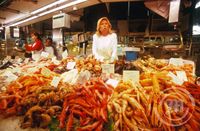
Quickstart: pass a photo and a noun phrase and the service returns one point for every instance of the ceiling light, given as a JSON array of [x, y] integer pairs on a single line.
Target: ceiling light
[[48, 6], [49, 11], [197, 5], [62, 7], [28, 19], [75, 8]]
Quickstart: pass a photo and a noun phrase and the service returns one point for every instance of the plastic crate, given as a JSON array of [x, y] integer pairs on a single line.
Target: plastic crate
[[131, 55]]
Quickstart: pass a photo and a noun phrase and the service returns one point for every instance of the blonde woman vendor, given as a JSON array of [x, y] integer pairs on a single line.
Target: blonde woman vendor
[[104, 46]]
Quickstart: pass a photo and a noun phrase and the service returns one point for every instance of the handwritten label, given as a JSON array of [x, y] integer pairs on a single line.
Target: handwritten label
[[45, 54], [175, 78], [71, 65], [64, 54], [32, 70], [181, 75], [10, 75], [108, 68], [36, 57], [16, 70], [26, 60], [133, 76], [112, 82], [19, 60], [176, 61], [46, 72], [8, 57], [55, 61], [55, 81]]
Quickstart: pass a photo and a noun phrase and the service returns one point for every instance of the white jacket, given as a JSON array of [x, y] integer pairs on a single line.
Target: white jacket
[[104, 48]]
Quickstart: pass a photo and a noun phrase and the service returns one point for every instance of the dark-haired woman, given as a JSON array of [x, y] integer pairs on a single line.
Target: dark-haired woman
[[36, 48]]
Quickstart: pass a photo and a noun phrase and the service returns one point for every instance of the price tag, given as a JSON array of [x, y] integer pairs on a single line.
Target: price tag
[[55, 61], [45, 54], [32, 70], [64, 54], [71, 65], [176, 61], [55, 81], [181, 75], [133, 76], [46, 72], [10, 75], [16, 70], [8, 57], [19, 60], [7, 73], [112, 82], [26, 60], [36, 57], [108, 68], [175, 79]]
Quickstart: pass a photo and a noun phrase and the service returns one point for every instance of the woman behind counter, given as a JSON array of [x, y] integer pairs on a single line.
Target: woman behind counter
[[104, 46], [36, 48]]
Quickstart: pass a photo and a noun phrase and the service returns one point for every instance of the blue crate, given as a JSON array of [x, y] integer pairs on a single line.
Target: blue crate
[[131, 55]]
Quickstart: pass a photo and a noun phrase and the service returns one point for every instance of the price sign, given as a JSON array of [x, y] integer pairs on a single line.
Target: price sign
[[108, 68], [181, 75], [112, 82], [55, 81], [55, 61], [176, 61], [8, 57], [16, 70], [10, 75], [64, 54], [26, 60], [36, 57], [46, 72], [19, 60], [133, 76], [45, 54], [71, 65], [175, 79]]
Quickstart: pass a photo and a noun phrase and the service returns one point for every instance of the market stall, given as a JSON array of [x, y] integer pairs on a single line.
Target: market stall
[[84, 94]]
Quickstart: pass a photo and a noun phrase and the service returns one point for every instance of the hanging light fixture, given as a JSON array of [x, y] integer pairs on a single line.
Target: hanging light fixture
[[37, 14]]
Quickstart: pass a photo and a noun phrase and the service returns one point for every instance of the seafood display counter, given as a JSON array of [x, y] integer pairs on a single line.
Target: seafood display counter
[[81, 94]]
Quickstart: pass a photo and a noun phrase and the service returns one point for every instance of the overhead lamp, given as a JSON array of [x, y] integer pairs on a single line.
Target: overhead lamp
[[49, 11], [28, 19], [196, 30], [75, 8], [197, 5], [48, 6], [62, 7]]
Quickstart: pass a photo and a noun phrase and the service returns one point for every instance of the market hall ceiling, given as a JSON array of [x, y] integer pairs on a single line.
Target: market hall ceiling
[[12, 11]]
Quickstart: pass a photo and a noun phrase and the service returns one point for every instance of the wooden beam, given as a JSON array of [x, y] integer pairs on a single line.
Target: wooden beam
[[10, 10]]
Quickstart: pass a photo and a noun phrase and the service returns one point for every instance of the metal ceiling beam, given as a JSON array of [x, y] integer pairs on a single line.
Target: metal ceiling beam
[[10, 10], [3, 18], [100, 1]]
